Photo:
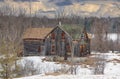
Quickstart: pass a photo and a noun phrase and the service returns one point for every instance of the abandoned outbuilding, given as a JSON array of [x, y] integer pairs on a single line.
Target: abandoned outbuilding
[[54, 41]]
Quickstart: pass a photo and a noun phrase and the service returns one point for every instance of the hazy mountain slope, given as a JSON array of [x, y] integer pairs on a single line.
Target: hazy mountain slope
[[98, 8]]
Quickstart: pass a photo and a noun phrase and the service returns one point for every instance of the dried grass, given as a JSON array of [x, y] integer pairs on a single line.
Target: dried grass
[[54, 73], [114, 60]]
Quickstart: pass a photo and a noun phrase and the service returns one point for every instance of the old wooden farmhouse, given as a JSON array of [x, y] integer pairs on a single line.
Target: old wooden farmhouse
[[54, 41]]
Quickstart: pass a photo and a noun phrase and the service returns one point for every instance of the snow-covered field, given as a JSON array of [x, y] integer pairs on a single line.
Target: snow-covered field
[[111, 68], [73, 77]]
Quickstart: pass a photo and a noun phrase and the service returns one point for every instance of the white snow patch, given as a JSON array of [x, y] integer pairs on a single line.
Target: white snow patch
[[42, 66], [112, 69], [111, 56], [83, 71], [110, 36]]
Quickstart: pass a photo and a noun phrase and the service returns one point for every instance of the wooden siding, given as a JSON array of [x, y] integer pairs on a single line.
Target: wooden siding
[[58, 40], [33, 47]]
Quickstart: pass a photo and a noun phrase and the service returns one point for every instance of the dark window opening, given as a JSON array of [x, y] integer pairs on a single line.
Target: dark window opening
[[53, 49], [68, 48], [53, 35], [82, 47], [39, 49], [63, 35]]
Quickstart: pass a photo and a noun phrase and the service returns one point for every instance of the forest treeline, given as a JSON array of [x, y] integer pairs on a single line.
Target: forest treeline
[[12, 27]]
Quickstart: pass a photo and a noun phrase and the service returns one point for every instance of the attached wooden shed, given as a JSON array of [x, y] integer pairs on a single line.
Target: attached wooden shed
[[34, 41], [82, 47]]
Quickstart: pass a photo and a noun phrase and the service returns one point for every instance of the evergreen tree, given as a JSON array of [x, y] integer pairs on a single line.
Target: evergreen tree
[[8, 59]]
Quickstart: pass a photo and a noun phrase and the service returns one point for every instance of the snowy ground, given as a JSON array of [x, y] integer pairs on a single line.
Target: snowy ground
[[111, 70], [42, 66], [72, 77]]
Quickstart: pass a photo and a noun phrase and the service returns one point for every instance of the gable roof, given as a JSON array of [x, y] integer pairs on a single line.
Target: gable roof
[[42, 33], [61, 29], [36, 33], [73, 30]]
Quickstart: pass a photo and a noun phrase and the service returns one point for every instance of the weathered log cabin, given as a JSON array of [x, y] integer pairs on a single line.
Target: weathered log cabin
[[46, 41], [54, 41]]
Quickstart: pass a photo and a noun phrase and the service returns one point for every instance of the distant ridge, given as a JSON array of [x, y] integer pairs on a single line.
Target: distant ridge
[[98, 8]]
